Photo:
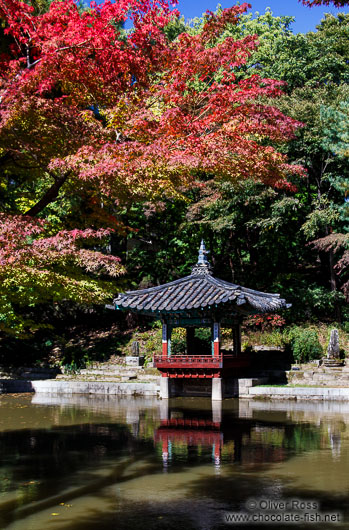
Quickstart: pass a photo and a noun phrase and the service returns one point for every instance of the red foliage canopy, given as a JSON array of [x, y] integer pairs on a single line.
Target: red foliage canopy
[[128, 114], [22, 243], [171, 109]]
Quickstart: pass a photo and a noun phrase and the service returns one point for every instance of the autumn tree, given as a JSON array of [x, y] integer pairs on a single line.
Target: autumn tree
[[90, 110], [41, 123], [36, 270]]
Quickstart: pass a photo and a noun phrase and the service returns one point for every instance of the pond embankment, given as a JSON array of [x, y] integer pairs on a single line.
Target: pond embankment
[[297, 393], [51, 386], [101, 379], [306, 382]]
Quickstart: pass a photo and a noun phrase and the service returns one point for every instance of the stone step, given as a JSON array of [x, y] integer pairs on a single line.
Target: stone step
[[108, 377], [114, 370], [333, 374], [88, 371], [87, 377], [325, 374], [321, 378], [148, 377]]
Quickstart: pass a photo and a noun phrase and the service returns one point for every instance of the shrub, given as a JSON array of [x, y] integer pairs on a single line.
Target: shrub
[[266, 338], [204, 334], [178, 341], [264, 322], [304, 344]]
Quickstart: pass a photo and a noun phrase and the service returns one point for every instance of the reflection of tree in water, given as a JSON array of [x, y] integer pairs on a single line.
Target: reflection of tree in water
[[335, 430], [302, 437], [43, 463]]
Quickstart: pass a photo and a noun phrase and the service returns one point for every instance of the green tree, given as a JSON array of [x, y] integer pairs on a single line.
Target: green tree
[[315, 68]]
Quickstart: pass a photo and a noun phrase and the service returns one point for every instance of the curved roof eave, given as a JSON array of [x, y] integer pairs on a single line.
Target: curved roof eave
[[199, 291]]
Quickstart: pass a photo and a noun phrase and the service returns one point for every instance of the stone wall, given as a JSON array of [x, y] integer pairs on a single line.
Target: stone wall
[[319, 376], [81, 387], [298, 393]]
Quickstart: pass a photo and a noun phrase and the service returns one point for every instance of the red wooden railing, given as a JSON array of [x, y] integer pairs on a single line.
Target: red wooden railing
[[197, 361], [173, 359]]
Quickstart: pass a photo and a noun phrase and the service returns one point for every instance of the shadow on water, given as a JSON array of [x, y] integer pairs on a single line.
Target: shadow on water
[[82, 463], [204, 515], [46, 464]]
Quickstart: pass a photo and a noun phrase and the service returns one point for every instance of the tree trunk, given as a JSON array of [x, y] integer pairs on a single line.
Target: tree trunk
[[50, 195], [333, 282]]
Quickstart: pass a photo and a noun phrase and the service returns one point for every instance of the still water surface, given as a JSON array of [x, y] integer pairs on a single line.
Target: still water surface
[[82, 463]]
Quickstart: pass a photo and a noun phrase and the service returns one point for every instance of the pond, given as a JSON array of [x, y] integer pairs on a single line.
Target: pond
[[80, 463]]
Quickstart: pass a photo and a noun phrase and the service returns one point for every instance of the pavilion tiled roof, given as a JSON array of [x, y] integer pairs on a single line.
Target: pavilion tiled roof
[[199, 291]]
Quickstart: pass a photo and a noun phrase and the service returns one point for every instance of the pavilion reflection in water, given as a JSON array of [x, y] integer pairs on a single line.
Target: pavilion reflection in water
[[190, 432], [186, 434], [200, 431]]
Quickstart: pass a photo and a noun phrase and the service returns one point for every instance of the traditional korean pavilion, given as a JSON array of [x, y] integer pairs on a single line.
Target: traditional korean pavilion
[[196, 301]]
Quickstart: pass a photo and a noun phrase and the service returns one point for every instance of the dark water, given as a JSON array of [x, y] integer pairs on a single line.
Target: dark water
[[82, 463]]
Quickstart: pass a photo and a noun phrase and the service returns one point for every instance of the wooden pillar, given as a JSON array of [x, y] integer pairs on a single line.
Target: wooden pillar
[[169, 345], [164, 339], [190, 341], [216, 338], [237, 338]]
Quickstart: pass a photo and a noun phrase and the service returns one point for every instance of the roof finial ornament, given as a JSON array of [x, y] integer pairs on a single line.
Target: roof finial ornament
[[203, 265], [202, 259]]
